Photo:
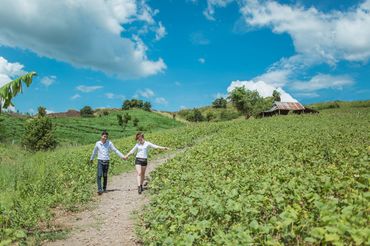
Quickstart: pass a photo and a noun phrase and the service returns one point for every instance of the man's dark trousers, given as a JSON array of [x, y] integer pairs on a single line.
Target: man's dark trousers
[[103, 167]]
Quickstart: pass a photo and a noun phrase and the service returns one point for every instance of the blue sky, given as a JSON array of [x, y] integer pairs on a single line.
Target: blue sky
[[183, 53]]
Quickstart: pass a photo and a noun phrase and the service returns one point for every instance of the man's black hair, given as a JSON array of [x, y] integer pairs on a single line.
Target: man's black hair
[[104, 133]]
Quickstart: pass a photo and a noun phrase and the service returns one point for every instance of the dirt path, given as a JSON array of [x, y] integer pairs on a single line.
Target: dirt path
[[110, 222]]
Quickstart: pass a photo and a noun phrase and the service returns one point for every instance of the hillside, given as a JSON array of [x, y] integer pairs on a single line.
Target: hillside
[[79, 130], [297, 179], [211, 114]]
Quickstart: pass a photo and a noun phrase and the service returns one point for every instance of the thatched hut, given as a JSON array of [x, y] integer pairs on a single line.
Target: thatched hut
[[283, 108]]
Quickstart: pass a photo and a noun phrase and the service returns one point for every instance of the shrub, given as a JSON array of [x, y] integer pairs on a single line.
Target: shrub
[[39, 134], [86, 111]]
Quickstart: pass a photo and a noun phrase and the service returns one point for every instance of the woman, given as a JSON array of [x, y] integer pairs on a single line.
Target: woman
[[141, 160]]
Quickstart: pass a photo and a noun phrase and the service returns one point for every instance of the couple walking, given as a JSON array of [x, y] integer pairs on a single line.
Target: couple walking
[[104, 146]]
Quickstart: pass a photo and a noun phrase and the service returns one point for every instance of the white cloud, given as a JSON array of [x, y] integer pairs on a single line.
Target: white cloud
[[323, 81], [48, 111], [202, 60], [114, 96], [161, 100], [264, 89], [147, 93], [87, 89], [48, 80], [9, 71], [177, 83], [212, 4], [160, 32], [325, 37], [75, 96], [86, 33], [198, 38]]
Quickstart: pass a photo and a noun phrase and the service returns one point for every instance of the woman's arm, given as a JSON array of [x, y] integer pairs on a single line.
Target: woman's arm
[[131, 151], [154, 146]]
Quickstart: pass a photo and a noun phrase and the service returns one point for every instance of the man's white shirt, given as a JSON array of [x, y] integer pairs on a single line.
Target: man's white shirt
[[103, 149]]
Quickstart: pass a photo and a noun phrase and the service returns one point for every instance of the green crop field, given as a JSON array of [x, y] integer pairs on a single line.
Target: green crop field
[[282, 180], [296, 179], [32, 184], [80, 130]]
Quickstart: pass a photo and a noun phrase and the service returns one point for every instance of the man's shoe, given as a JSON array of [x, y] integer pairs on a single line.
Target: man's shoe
[[100, 192], [141, 187], [139, 190]]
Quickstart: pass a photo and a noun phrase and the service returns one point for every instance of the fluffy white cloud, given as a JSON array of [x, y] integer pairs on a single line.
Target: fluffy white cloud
[[86, 33], [87, 89], [264, 89], [325, 37], [147, 93], [161, 100], [48, 80], [9, 71], [212, 4], [323, 81]]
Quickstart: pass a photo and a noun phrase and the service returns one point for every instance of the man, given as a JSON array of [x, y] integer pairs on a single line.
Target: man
[[102, 148]]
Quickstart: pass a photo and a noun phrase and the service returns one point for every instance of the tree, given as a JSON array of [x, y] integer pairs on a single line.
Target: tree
[[147, 106], [39, 134], [219, 103], [276, 95], [86, 111], [11, 89], [246, 101], [126, 105], [126, 117], [135, 121], [195, 115], [210, 116], [41, 111], [119, 119]]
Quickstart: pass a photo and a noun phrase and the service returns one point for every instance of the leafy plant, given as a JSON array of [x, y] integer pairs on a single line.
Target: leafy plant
[[11, 89]]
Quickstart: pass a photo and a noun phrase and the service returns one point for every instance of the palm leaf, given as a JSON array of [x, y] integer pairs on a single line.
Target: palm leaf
[[11, 89]]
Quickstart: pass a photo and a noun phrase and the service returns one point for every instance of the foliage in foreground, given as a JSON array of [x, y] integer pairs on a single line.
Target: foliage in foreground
[[283, 180], [32, 184]]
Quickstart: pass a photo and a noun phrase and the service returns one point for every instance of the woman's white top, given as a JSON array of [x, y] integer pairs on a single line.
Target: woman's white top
[[142, 149]]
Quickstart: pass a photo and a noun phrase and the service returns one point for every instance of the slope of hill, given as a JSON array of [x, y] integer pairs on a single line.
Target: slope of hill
[[79, 130], [340, 104]]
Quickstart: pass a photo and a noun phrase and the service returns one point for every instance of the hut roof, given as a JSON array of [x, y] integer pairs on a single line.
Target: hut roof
[[287, 106]]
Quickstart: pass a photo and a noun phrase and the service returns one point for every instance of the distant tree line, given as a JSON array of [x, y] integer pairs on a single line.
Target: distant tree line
[[135, 103]]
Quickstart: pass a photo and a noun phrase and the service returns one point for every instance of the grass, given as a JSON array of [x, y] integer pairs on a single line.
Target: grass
[[79, 130]]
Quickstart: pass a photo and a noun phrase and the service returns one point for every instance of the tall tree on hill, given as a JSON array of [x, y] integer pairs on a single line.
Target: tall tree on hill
[[246, 101], [219, 103], [276, 95], [11, 89], [147, 106]]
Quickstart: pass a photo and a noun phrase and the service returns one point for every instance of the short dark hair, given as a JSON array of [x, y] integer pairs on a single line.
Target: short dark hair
[[104, 133], [138, 135]]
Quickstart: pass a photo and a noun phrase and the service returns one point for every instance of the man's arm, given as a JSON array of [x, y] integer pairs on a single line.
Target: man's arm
[[95, 151], [116, 150]]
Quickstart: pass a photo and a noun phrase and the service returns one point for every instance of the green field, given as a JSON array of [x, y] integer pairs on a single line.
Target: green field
[[79, 130], [296, 179], [282, 180]]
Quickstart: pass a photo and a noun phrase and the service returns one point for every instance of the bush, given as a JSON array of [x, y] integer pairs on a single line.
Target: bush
[[135, 121], [86, 111], [39, 134], [228, 115], [219, 103], [195, 116]]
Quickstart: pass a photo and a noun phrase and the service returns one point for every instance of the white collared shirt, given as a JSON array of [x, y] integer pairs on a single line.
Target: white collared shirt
[[142, 149], [103, 150]]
